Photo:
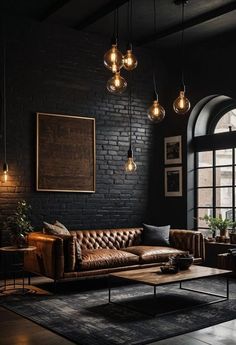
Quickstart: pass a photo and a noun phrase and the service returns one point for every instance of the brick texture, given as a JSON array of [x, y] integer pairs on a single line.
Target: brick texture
[[57, 70]]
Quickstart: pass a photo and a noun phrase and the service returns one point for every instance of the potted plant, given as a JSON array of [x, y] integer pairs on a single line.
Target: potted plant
[[19, 224], [218, 223]]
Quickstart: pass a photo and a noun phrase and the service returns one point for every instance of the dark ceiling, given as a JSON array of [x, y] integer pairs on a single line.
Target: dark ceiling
[[203, 18]]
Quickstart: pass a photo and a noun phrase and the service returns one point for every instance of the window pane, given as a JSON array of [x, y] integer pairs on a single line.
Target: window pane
[[205, 197], [224, 197], [224, 212], [226, 121], [201, 213], [224, 176], [224, 157], [205, 177], [205, 159]]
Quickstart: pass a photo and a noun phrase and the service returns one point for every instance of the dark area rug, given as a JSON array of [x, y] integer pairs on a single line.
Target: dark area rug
[[85, 317]]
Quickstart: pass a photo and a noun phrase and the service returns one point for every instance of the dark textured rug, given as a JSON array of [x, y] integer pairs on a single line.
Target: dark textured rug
[[86, 318]]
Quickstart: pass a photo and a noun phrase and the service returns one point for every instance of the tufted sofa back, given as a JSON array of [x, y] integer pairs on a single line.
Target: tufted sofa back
[[108, 238]]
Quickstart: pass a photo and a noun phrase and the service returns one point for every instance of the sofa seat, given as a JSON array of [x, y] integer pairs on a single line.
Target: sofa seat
[[149, 254], [106, 258]]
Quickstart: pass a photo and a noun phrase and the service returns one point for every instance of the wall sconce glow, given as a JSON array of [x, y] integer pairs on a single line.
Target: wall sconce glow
[[181, 105], [113, 59], [130, 61], [5, 172], [156, 112], [130, 165], [116, 84]]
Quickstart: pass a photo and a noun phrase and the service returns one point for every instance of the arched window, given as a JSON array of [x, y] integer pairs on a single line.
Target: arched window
[[212, 160], [227, 122]]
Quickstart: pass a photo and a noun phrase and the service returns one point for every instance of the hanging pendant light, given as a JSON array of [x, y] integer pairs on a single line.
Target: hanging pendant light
[[156, 112], [116, 84], [182, 105], [130, 61], [130, 165], [113, 58], [5, 165]]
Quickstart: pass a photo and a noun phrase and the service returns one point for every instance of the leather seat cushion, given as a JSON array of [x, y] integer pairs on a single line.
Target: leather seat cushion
[[104, 258], [150, 254]]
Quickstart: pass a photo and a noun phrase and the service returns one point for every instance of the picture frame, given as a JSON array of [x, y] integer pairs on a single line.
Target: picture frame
[[173, 150], [66, 155], [173, 181]]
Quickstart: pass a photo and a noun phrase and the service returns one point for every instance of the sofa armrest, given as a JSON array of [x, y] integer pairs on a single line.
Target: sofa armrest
[[189, 240], [48, 258]]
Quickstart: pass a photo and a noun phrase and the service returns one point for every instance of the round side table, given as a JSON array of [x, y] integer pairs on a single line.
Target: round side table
[[14, 267]]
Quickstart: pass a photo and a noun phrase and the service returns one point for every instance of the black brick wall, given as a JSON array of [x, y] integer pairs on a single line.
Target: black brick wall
[[57, 70]]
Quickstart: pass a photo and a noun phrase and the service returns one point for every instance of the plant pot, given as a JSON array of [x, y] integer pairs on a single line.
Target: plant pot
[[224, 233], [21, 241], [232, 238]]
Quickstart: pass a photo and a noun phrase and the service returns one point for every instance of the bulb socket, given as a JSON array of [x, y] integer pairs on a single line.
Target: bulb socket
[[130, 153], [5, 167]]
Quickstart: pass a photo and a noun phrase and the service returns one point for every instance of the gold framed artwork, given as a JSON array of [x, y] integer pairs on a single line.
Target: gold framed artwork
[[66, 156], [173, 181], [173, 150]]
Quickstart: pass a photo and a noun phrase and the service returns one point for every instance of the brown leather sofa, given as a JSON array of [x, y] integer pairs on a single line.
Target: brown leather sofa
[[105, 251]]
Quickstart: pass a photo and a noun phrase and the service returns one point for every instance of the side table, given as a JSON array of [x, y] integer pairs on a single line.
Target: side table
[[212, 251], [13, 251]]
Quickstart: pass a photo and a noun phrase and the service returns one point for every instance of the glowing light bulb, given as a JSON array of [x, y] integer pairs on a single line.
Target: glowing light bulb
[[5, 171], [181, 105], [113, 59], [156, 112], [116, 84], [130, 165], [130, 61]]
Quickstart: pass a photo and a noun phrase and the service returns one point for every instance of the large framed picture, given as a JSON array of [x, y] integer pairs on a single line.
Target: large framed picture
[[66, 157], [173, 150], [173, 181]]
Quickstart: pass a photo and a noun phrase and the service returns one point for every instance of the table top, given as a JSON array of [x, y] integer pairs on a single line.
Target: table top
[[16, 249], [153, 276]]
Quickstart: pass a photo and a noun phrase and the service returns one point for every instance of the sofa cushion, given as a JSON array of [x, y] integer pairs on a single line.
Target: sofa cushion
[[150, 254], [156, 235], [104, 258], [53, 229]]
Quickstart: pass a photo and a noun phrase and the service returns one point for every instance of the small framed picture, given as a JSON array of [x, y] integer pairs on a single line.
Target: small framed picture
[[173, 150], [173, 181]]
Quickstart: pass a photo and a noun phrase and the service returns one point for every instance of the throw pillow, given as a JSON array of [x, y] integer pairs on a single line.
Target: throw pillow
[[54, 229], [156, 235], [57, 223]]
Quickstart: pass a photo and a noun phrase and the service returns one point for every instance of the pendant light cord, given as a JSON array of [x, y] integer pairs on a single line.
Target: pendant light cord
[[4, 97], [130, 116], [130, 22], [182, 46], [155, 85], [155, 33], [115, 26]]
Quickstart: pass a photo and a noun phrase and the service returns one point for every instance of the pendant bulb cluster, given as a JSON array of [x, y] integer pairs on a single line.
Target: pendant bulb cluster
[[156, 112], [181, 105], [114, 59]]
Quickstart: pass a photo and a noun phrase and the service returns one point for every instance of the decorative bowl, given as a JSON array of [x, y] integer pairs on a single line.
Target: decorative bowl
[[183, 263]]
